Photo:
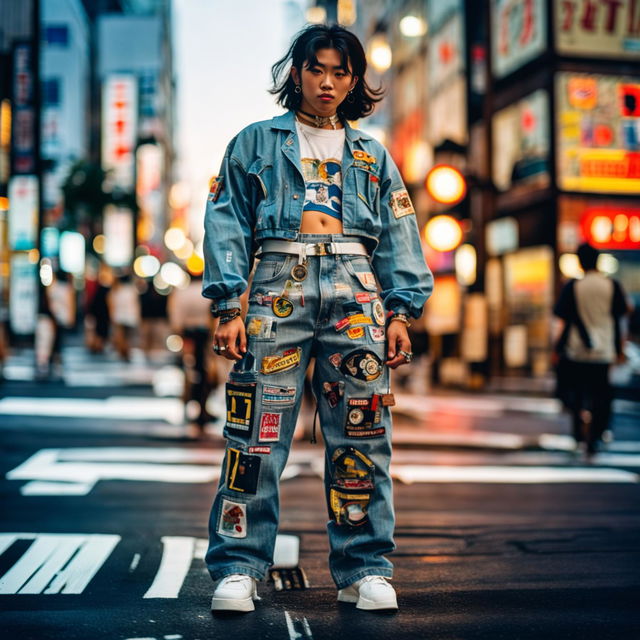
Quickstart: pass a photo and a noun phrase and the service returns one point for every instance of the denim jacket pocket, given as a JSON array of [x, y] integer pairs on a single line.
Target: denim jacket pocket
[[262, 174], [368, 189], [271, 267]]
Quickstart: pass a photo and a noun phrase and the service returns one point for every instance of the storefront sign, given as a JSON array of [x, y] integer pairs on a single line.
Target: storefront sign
[[519, 33], [24, 110], [598, 132], [608, 28], [119, 129], [444, 306], [501, 236], [23, 212], [612, 227], [23, 295], [521, 145], [118, 232]]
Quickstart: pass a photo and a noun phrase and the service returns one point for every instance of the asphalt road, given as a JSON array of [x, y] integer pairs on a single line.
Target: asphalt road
[[104, 520]]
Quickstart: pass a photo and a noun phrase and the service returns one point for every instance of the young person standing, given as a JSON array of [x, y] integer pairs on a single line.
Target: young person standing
[[340, 272]]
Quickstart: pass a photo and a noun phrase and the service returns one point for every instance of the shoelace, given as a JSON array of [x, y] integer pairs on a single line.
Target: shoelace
[[236, 577], [376, 579]]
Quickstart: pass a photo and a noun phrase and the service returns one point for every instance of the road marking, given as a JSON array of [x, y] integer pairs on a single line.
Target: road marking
[[128, 408], [292, 623], [508, 474], [55, 563], [134, 563], [75, 471], [287, 551], [177, 554]]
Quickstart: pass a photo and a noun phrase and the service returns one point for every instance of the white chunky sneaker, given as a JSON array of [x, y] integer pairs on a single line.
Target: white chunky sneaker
[[371, 592], [235, 593]]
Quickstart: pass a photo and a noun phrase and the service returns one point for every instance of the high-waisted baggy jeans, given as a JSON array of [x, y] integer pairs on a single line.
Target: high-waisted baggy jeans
[[335, 315]]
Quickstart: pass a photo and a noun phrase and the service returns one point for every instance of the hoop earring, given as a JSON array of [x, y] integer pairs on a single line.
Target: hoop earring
[[297, 89]]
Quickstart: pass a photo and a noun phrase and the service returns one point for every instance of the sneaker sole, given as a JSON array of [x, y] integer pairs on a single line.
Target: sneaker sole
[[227, 604], [347, 595], [371, 605]]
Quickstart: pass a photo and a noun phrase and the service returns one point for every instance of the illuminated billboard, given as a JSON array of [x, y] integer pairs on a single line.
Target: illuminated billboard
[[518, 33], [119, 129], [595, 29], [598, 133], [521, 145]]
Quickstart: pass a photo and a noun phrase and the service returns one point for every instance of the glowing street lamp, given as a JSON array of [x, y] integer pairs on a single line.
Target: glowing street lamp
[[379, 52], [443, 233], [445, 184]]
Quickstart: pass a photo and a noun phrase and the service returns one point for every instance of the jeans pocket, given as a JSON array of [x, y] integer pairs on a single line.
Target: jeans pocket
[[359, 267], [271, 267]]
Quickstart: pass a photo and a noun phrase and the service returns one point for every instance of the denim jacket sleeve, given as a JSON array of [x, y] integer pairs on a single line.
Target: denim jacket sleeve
[[405, 279], [229, 228]]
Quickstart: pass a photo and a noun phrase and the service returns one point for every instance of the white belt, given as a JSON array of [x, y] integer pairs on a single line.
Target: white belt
[[302, 250]]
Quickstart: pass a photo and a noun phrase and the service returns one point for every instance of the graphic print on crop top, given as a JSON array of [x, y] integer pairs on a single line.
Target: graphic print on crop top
[[321, 161]]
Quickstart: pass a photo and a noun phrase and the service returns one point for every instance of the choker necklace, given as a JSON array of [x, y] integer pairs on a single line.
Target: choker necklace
[[320, 121]]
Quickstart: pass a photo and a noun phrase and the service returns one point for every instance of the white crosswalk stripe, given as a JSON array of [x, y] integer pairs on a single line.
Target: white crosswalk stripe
[[55, 563]]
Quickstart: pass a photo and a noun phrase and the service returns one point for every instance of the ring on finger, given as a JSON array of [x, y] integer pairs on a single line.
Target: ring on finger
[[408, 355], [221, 349]]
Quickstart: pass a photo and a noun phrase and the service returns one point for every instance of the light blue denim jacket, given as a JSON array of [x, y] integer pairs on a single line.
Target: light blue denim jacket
[[260, 191]]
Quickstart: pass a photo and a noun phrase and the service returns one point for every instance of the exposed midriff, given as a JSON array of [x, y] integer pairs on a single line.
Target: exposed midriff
[[319, 222]]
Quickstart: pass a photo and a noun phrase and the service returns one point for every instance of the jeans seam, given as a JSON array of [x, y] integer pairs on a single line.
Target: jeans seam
[[228, 570]]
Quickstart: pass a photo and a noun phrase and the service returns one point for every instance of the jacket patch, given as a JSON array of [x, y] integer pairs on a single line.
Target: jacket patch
[[401, 203], [215, 188]]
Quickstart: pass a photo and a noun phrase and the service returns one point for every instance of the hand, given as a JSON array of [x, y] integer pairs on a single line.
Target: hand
[[397, 339], [232, 337]]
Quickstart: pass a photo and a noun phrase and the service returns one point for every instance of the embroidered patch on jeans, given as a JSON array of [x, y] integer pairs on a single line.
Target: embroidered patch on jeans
[[362, 364], [352, 470], [355, 332], [242, 471], [262, 327], [367, 279], [278, 396], [335, 359], [264, 449], [233, 519], [276, 364], [240, 404], [401, 203], [349, 508], [362, 416], [333, 391], [269, 427], [376, 333]]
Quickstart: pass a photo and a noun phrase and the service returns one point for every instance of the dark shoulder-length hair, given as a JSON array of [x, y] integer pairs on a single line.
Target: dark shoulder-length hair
[[360, 102]]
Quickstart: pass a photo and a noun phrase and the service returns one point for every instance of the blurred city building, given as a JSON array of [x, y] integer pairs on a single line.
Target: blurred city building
[[536, 103], [86, 142]]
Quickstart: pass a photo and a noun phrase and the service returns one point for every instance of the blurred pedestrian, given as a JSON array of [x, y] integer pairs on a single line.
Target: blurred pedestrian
[[190, 318], [590, 341], [153, 316], [124, 312], [324, 208], [98, 311]]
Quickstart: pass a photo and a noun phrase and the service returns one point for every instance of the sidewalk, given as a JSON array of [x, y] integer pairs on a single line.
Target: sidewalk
[[439, 419]]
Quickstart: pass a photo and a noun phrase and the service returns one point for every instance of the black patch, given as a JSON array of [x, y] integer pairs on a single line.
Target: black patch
[[241, 400], [242, 471], [362, 364], [333, 391], [362, 416]]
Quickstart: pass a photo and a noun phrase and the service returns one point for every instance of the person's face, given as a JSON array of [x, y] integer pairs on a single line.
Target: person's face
[[327, 78]]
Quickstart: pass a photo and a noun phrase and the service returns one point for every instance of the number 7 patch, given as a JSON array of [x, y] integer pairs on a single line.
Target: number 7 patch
[[241, 400]]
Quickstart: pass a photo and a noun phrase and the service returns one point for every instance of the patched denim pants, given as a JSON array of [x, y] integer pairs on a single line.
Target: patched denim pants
[[335, 315]]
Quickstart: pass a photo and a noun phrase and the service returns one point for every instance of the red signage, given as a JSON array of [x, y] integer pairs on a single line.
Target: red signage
[[612, 228]]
